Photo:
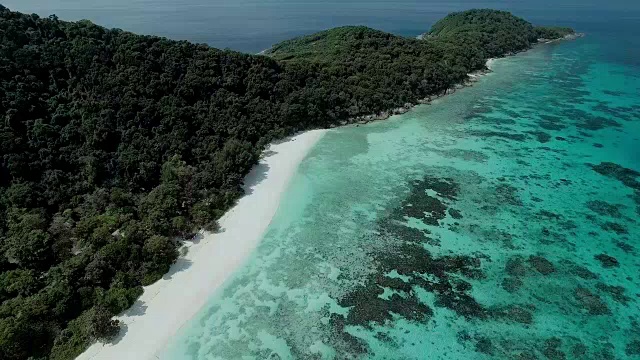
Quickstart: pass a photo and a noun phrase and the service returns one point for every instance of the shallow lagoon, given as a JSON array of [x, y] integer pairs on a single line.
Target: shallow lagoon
[[499, 222]]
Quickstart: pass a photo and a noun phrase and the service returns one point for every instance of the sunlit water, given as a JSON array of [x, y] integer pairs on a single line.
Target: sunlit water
[[499, 222]]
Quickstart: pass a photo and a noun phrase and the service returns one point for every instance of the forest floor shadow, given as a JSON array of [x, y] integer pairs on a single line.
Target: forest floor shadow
[[180, 265], [123, 331], [138, 308], [255, 177]]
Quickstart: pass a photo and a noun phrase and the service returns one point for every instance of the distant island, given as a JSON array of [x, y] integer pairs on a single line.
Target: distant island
[[116, 145]]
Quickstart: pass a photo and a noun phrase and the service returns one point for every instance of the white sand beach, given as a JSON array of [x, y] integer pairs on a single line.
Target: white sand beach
[[171, 302]]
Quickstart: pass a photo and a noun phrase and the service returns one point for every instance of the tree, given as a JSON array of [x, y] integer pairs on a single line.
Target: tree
[[102, 326], [159, 253], [18, 282], [31, 250]]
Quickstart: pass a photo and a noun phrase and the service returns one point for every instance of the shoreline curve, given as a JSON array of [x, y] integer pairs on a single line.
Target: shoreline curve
[[168, 304]]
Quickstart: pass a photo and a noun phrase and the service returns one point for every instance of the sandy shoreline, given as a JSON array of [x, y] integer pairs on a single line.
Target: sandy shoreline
[[171, 302]]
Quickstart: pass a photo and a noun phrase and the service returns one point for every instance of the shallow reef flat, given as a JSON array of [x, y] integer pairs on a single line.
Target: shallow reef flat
[[497, 223]]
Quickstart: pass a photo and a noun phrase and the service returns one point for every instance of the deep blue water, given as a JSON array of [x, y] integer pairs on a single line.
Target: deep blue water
[[253, 25]]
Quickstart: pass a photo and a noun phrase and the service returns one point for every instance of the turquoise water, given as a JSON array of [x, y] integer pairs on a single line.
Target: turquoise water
[[498, 223]]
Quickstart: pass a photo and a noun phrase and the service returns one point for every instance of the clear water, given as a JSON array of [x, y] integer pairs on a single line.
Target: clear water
[[254, 25], [499, 222]]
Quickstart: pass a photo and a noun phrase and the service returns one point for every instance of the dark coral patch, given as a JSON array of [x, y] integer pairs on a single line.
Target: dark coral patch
[[485, 346], [616, 292], [597, 123], [628, 177], [395, 284], [604, 208], [511, 284], [549, 215], [590, 302], [584, 273], [607, 352], [445, 187], [429, 208], [541, 136], [353, 344], [551, 122], [579, 351], [456, 214], [552, 349], [385, 338], [607, 261], [614, 227], [515, 266], [405, 233], [625, 247], [508, 194], [542, 265], [633, 348], [419, 264], [513, 313], [366, 306]]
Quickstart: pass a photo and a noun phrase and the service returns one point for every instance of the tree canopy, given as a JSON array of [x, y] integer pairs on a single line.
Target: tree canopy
[[114, 146]]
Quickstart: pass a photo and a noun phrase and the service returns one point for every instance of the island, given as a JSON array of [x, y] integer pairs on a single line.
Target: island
[[117, 149]]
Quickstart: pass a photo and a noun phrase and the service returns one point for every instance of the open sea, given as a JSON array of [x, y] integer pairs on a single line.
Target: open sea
[[255, 25], [501, 222]]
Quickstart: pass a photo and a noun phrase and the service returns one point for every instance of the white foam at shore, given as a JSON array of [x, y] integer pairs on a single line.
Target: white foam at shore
[[171, 302], [490, 63]]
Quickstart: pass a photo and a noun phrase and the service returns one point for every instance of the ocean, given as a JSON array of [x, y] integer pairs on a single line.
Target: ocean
[[255, 25], [500, 222]]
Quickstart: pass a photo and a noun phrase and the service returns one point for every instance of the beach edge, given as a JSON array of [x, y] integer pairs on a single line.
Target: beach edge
[[170, 303]]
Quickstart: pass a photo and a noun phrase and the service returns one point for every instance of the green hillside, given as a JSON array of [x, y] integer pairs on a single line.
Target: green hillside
[[329, 45]]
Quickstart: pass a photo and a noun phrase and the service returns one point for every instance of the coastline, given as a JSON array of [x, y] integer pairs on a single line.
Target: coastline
[[472, 78], [171, 302]]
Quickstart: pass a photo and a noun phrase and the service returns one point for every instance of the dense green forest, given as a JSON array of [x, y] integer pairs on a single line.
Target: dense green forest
[[370, 71], [114, 146]]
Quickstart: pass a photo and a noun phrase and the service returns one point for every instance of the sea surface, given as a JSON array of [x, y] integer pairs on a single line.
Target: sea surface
[[255, 25], [501, 222]]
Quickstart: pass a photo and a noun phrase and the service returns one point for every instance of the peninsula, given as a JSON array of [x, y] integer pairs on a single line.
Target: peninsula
[[118, 149]]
